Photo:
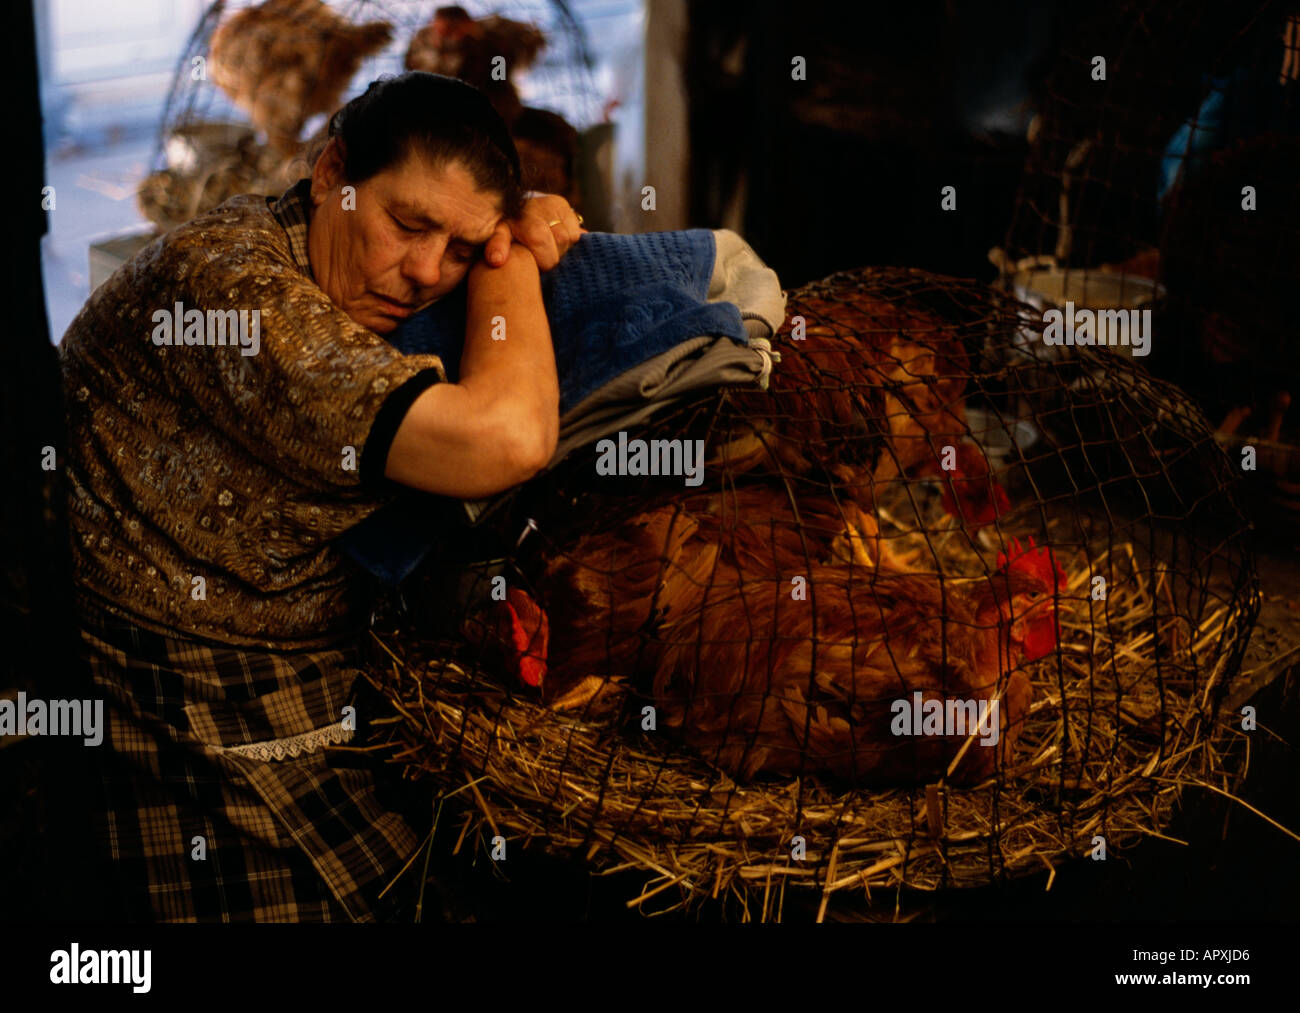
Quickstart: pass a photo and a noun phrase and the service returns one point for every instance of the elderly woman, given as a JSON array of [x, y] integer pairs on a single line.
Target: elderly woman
[[210, 478]]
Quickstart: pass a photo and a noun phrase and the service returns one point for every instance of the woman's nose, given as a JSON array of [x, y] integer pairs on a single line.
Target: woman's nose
[[423, 264]]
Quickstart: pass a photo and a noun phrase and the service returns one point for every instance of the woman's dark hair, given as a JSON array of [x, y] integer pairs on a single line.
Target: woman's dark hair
[[440, 118]]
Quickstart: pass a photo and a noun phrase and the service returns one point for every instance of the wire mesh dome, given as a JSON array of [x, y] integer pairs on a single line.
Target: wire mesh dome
[[939, 607], [256, 79]]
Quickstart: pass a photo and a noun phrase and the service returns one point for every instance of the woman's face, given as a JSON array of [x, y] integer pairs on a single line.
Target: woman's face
[[407, 236]]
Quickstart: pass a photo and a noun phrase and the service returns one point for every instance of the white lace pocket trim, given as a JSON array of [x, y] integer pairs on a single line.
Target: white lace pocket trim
[[294, 745]]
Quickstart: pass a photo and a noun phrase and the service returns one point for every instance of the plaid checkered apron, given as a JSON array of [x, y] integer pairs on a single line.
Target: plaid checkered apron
[[230, 745]]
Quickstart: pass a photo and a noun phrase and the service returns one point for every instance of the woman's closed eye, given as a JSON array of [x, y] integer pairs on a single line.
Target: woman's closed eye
[[460, 253]]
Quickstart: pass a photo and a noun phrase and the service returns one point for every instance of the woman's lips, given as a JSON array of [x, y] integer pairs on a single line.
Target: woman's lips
[[394, 307]]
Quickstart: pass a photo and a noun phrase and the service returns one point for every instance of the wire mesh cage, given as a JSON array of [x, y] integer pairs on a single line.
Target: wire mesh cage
[[1161, 175], [936, 608], [257, 79]]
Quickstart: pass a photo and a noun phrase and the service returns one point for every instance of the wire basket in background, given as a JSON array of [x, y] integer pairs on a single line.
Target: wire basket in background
[[1165, 179], [256, 80]]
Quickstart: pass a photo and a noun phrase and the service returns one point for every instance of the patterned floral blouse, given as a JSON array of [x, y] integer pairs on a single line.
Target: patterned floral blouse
[[200, 461]]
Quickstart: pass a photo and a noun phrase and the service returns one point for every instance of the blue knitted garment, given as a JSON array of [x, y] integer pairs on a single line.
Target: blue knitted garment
[[613, 303]]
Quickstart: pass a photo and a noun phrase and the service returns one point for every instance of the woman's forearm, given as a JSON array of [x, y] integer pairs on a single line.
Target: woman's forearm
[[499, 424], [508, 362]]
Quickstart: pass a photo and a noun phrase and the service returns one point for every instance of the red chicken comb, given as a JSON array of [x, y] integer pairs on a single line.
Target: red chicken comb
[[1036, 561], [529, 635]]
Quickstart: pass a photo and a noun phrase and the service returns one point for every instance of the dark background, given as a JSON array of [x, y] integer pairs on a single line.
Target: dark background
[[846, 168]]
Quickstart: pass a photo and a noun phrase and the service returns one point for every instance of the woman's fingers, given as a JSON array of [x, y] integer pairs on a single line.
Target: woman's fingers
[[573, 230], [548, 227], [541, 240], [498, 247], [565, 231], [568, 230]]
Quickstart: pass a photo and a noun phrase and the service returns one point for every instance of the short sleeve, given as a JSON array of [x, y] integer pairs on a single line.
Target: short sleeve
[[304, 387]]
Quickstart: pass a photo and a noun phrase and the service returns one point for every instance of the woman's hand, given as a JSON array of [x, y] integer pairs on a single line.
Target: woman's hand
[[548, 242], [519, 262]]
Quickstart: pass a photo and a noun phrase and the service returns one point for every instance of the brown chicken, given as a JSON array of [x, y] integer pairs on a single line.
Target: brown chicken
[[757, 678], [286, 60], [696, 599], [605, 592], [871, 392], [457, 45], [611, 585]]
